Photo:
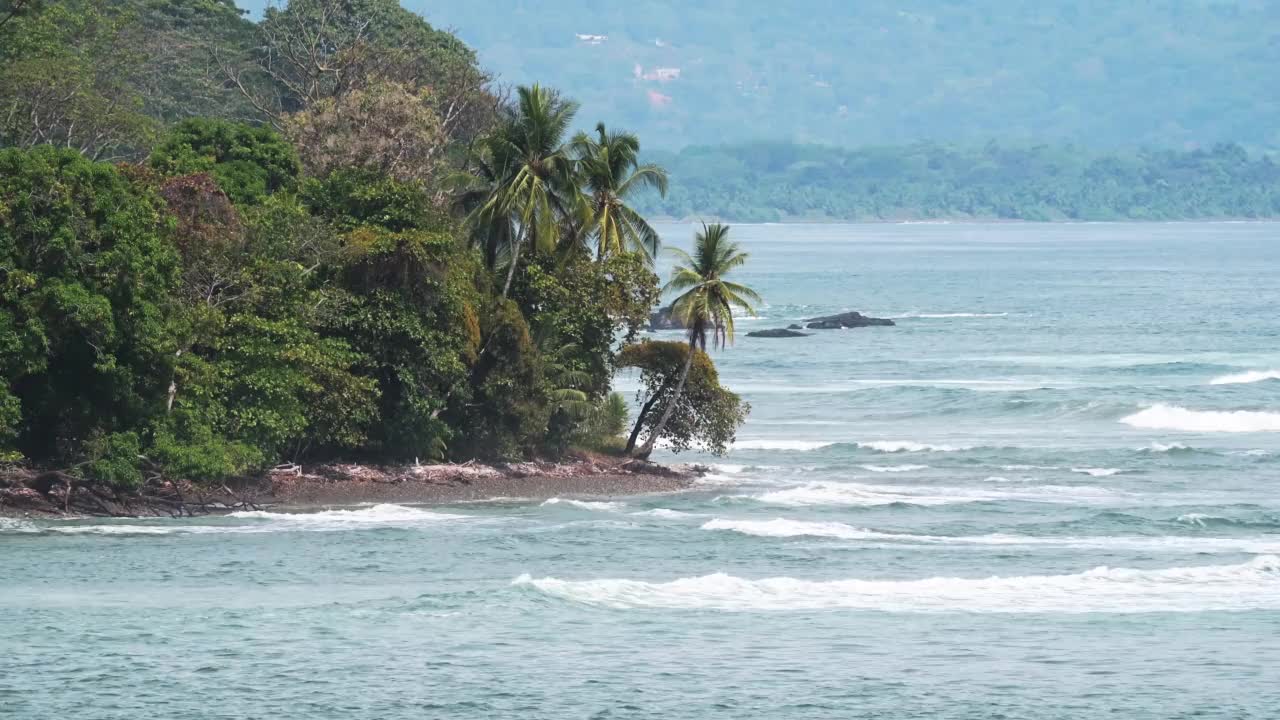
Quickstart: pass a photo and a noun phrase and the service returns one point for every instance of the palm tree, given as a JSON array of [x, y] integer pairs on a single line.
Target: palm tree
[[705, 304], [536, 187], [610, 170]]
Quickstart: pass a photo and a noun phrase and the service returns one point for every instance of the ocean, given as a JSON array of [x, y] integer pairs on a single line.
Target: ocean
[[1051, 491]]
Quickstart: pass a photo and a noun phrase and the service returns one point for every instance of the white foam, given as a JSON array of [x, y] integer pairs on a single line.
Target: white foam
[[729, 468], [1159, 447], [941, 316], [14, 525], [1097, 472], [1252, 376], [586, 504], [858, 494], [897, 446], [785, 528], [269, 522], [666, 514], [781, 527], [1172, 417], [779, 444], [380, 514], [1197, 519], [894, 468], [1252, 585], [853, 494]]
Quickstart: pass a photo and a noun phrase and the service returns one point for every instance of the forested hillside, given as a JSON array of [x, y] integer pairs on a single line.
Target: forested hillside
[[1165, 73], [767, 182]]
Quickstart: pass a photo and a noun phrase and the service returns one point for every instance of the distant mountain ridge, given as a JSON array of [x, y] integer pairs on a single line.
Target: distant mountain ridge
[[1166, 73]]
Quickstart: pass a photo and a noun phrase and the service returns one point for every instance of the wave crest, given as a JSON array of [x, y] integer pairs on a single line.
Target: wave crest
[[1245, 378], [1173, 417], [263, 521], [1248, 586], [595, 505]]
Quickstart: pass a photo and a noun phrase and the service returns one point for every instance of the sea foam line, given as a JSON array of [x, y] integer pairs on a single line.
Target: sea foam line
[[599, 506], [1173, 417], [262, 521], [883, 446], [943, 316], [1253, 585], [786, 528], [860, 494]]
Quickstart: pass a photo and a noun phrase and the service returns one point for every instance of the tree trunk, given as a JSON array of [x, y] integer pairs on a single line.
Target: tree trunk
[[515, 260], [635, 431], [647, 449]]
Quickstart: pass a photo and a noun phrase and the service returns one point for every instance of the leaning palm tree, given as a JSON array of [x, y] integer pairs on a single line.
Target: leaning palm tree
[[537, 186], [705, 305], [610, 170]]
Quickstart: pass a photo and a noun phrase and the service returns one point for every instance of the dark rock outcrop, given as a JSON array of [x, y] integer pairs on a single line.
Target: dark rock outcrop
[[777, 333], [845, 320], [795, 326], [661, 319]]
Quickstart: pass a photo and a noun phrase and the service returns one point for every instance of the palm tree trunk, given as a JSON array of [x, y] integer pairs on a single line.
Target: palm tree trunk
[[647, 449], [635, 431], [515, 260]]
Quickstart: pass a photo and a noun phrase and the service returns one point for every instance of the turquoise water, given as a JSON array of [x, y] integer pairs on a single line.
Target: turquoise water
[[1052, 491]]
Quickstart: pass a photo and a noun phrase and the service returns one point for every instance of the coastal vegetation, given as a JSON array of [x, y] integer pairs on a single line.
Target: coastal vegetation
[[325, 235]]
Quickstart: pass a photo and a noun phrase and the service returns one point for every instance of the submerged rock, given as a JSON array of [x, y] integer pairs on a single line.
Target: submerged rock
[[795, 326], [846, 320], [777, 333]]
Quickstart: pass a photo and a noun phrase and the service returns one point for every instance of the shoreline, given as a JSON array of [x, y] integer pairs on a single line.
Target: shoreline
[[298, 488]]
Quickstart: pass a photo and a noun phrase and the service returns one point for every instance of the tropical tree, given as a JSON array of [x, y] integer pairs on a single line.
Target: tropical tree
[[704, 306], [610, 172], [537, 188]]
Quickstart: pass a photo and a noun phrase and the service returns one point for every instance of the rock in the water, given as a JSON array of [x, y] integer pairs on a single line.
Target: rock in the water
[[777, 333], [845, 320], [795, 326], [661, 319]]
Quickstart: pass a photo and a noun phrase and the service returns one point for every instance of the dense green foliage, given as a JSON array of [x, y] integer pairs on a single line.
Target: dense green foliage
[[249, 163], [440, 275], [704, 413], [764, 182], [86, 302], [1164, 73]]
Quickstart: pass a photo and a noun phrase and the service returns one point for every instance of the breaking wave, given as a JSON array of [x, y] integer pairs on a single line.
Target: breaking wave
[[599, 506], [943, 316], [785, 528], [857, 494], [1252, 376], [1252, 585], [893, 468], [1172, 417], [263, 521], [900, 446], [1097, 472]]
